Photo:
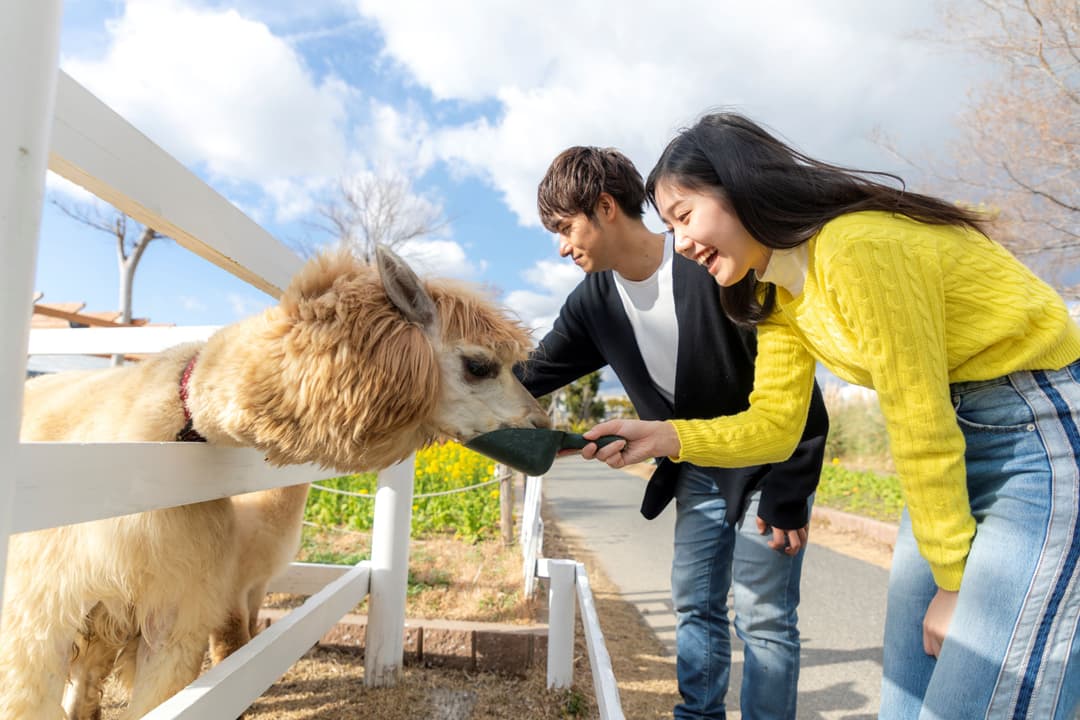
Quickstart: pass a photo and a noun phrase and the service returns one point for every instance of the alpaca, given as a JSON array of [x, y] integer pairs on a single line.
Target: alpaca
[[355, 368]]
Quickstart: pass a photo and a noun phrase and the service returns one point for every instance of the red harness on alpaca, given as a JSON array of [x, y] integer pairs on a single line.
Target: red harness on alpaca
[[188, 433]]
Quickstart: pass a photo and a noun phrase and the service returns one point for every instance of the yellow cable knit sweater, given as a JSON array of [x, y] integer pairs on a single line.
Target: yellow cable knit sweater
[[904, 308]]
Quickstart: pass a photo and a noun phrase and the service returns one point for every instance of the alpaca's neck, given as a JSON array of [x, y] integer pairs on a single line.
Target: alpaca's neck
[[239, 361], [246, 390], [282, 507]]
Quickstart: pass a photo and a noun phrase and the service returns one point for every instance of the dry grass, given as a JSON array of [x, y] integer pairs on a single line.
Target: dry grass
[[328, 684], [448, 579]]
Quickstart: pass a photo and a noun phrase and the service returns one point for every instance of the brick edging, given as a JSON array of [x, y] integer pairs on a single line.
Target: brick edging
[[465, 645]]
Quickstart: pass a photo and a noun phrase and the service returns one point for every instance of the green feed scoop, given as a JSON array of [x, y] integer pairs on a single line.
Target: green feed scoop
[[531, 450]]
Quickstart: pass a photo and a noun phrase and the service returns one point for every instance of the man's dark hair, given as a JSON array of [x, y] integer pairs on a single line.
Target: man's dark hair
[[575, 179]]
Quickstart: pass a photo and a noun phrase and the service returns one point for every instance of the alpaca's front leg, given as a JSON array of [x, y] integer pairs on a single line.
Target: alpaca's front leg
[[34, 657], [94, 661], [231, 635], [256, 596], [163, 669], [86, 683], [241, 625]]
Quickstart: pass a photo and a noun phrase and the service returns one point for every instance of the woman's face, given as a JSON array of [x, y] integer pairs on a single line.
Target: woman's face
[[710, 233]]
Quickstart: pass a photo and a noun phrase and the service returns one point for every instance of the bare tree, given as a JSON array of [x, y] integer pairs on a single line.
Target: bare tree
[[379, 208], [129, 250], [1020, 155]]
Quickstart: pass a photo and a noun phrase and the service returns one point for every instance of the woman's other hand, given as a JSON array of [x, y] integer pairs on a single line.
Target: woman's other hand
[[937, 619], [645, 439]]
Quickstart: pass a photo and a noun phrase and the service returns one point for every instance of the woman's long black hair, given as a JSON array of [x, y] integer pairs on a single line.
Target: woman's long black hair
[[781, 196]]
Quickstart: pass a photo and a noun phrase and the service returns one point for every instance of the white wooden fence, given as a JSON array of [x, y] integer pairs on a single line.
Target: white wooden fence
[[49, 120], [567, 580]]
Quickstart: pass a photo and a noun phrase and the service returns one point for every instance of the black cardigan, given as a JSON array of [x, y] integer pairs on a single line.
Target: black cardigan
[[714, 376]]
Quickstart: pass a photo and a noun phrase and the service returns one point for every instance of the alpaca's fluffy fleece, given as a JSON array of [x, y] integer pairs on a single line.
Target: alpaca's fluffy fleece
[[335, 375]]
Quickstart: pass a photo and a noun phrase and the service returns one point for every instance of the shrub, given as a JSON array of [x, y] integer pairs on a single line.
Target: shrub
[[856, 429]]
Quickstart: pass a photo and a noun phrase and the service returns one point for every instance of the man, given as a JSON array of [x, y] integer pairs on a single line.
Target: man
[[656, 319]]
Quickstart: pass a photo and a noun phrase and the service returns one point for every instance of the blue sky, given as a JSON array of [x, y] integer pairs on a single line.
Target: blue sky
[[272, 103]]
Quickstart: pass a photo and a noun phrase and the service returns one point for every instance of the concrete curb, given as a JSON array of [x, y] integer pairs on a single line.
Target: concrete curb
[[882, 532], [459, 644]]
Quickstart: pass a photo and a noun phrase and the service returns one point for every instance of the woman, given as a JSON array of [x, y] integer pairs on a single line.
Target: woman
[[974, 360]]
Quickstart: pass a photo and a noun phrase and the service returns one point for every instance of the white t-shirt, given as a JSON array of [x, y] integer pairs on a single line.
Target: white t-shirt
[[650, 306]]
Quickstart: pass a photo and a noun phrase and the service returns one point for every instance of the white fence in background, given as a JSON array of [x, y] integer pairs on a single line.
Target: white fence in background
[[567, 581], [532, 531]]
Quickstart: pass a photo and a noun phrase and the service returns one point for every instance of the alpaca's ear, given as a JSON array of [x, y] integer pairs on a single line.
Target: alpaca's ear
[[404, 288]]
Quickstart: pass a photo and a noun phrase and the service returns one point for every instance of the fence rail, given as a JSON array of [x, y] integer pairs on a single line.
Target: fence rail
[[532, 532], [104, 480], [607, 690], [94, 147], [105, 341]]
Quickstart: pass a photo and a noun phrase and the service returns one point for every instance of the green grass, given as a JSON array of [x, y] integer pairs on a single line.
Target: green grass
[[861, 492], [428, 581], [317, 547]]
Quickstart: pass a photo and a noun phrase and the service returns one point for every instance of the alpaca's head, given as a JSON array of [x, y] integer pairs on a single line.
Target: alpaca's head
[[375, 363], [477, 348]]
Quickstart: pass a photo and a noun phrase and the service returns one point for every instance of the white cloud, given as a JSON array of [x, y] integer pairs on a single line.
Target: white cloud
[[220, 91], [444, 258], [551, 281], [292, 199], [629, 74], [395, 139]]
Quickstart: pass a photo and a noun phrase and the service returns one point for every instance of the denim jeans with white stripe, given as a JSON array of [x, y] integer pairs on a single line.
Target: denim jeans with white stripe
[[1013, 647]]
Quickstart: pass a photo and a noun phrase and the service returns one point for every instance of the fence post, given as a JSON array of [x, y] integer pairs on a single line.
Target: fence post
[[532, 532], [384, 647], [506, 503], [29, 59], [560, 660]]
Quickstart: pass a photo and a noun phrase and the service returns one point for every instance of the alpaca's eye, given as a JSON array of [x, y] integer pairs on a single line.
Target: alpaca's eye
[[480, 369]]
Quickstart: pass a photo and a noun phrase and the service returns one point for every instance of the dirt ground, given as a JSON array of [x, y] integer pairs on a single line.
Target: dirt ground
[[851, 544], [486, 586]]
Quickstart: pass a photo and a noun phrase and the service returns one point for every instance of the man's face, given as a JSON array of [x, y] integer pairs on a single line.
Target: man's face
[[587, 242]]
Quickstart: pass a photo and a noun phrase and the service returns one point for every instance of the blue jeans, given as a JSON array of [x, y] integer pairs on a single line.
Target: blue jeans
[[1012, 649], [709, 553]]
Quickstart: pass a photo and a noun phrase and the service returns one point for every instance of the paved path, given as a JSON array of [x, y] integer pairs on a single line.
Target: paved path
[[843, 600]]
